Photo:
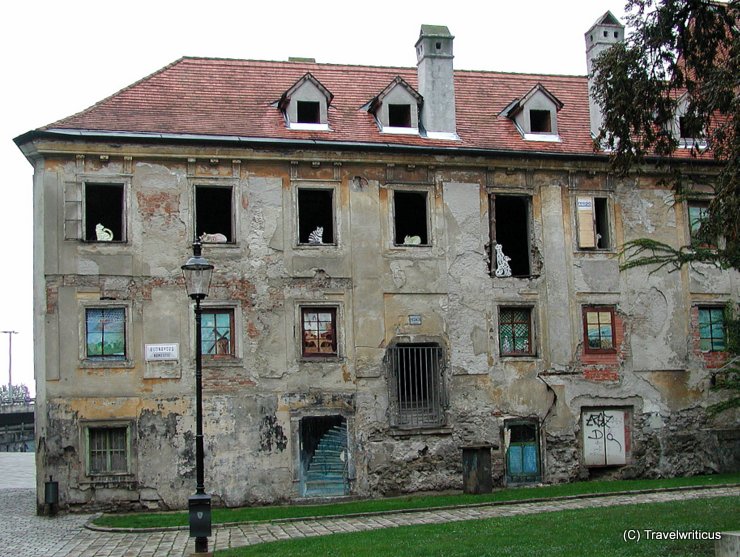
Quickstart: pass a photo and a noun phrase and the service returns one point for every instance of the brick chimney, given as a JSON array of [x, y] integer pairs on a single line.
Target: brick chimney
[[436, 81], [603, 34]]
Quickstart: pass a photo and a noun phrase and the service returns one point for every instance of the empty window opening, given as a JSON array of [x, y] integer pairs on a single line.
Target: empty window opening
[[318, 327], [689, 128], [217, 332], [399, 115], [522, 452], [214, 215], [308, 112], [512, 232], [601, 223], [107, 450], [105, 333], [324, 456], [416, 384], [515, 332], [410, 218], [539, 121], [104, 210], [712, 329], [315, 216], [593, 223], [598, 328]]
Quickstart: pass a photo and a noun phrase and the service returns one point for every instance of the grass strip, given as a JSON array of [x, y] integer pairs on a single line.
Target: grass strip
[[411, 502], [593, 532]]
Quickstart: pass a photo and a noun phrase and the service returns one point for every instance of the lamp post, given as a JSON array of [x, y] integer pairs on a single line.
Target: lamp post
[[10, 362], [197, 273]]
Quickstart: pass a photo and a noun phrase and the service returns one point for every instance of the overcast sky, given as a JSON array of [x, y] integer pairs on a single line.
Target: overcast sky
[[61, 56]]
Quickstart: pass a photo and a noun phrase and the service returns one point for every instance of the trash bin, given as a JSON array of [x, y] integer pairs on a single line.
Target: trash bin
[[476, 461]]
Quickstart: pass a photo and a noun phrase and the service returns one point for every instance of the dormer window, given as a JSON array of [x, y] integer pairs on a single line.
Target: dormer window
[[536, 114], [686, 128], [306, 105], [396, 108]]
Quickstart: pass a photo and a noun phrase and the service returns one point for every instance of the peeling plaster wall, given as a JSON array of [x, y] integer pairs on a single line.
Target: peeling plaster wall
[[255, 401]]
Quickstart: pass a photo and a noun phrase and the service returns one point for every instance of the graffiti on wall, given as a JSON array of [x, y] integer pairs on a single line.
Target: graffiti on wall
[[604, 437]]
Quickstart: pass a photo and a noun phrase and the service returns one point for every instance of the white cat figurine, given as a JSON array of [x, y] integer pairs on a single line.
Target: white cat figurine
[[215, 238], [412, 240], [317, 236], [103, 234]]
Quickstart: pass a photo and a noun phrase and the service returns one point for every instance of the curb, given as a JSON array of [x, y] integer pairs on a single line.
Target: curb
[[90, 526]]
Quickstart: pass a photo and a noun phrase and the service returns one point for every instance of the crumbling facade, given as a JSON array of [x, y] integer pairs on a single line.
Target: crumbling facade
[[407, 262]]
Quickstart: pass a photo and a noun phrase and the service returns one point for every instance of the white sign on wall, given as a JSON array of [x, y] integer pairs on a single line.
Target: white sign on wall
[[604, 437], [162, 352]]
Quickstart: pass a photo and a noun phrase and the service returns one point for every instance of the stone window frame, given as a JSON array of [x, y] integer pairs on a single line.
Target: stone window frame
[[75, 206], [600, 308], [318, 185], [533, 336], [429, 192], [339, 318], [528, 196], [222, 360], [129, 426], [92, 362], [216, 182]]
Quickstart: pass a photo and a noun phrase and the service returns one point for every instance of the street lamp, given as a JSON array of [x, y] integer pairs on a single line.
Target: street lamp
[[197, 273]]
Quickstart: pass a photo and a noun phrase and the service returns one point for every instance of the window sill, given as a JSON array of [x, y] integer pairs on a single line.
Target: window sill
[[221, 361], [398, 431], [299, 126], [321, 359], [544, 137], [316, 246], [396, 130], [98, 242], [519, 357], [106, 364]]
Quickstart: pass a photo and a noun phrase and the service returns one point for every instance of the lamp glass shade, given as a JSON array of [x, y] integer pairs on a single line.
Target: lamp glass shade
[[197, 272]]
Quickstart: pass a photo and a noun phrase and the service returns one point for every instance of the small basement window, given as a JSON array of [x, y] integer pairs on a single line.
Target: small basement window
[[107, 450], [539, 121], [214, 214], [308, 112], [315, 216], [511, 230], [399, 115], [410, 220], [104, 213]]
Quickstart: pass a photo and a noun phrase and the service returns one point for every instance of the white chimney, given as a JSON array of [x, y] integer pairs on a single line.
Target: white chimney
[[603, 34]]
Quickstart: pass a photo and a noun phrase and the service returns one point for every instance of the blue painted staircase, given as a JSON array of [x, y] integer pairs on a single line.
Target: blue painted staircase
[[327, 470]]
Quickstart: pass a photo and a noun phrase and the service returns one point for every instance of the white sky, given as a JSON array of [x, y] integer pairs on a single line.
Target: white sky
[[59, 57]]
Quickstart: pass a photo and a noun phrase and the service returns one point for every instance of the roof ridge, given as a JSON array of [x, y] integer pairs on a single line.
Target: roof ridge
[[112, 95]]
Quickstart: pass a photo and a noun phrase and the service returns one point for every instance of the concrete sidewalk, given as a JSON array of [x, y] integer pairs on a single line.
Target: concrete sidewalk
[[25, 535]]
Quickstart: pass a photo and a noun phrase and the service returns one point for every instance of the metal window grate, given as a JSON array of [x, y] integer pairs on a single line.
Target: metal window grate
[[108, 450], [416, 385]]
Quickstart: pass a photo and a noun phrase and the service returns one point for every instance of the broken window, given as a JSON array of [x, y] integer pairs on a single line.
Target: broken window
[[319, 331], [308, 112], [515, 331], [416, 384], [712, 329], [105, 333], [214, 214], [104, 213], [107, 450], [606, 439], [522, 452], [410, 221], [315, 216], [593, 223], [399, 115], [217, 332], [598, 329], [539, 121], [510, 230]]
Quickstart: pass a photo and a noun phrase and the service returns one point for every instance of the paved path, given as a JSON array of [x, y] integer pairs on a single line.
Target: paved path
[[23, 534]]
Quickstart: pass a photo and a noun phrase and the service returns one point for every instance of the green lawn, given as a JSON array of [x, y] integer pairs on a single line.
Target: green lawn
[[585, 532], [254, 514]]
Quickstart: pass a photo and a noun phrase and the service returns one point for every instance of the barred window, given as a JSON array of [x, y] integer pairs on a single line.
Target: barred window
[[217, 332], [515, 331], [416, 372], [105, 333], [711, 329], [108, 450]]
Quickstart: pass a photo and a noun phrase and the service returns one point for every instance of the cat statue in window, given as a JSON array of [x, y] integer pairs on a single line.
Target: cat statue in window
[[103, 234], [317, 236], [215, 238], [502, 262], [412, 241]]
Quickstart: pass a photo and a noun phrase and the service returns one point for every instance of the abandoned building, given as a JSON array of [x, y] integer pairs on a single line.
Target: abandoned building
[[408, 261]]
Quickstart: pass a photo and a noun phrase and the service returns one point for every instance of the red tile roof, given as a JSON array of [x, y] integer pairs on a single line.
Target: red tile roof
[[223, 97]]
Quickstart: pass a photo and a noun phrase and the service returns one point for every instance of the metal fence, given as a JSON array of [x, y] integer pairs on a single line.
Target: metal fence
[[416, 384]]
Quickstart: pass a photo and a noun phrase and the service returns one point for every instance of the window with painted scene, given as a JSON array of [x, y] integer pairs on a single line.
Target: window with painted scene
[[217, 332], [318, 327], [598, 329], [515, 331], [105, 333], [712, 329]]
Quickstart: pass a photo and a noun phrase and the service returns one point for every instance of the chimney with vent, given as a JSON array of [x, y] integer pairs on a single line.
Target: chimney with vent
[[603, 34], [436, 81]]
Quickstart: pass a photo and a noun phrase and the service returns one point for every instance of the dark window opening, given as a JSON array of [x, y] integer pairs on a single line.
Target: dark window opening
[[323, 453], [104, 213], [410, 218], [601, 222], [214, 215], [689, 128], [315, 216], [416, 384], [319, 331], [399, 115], [512, 232], [308, 112], [539, 121]]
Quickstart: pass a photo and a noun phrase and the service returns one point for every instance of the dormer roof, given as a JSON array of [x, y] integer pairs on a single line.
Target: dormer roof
[[373, 103], [517, 105], [285, 98]]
